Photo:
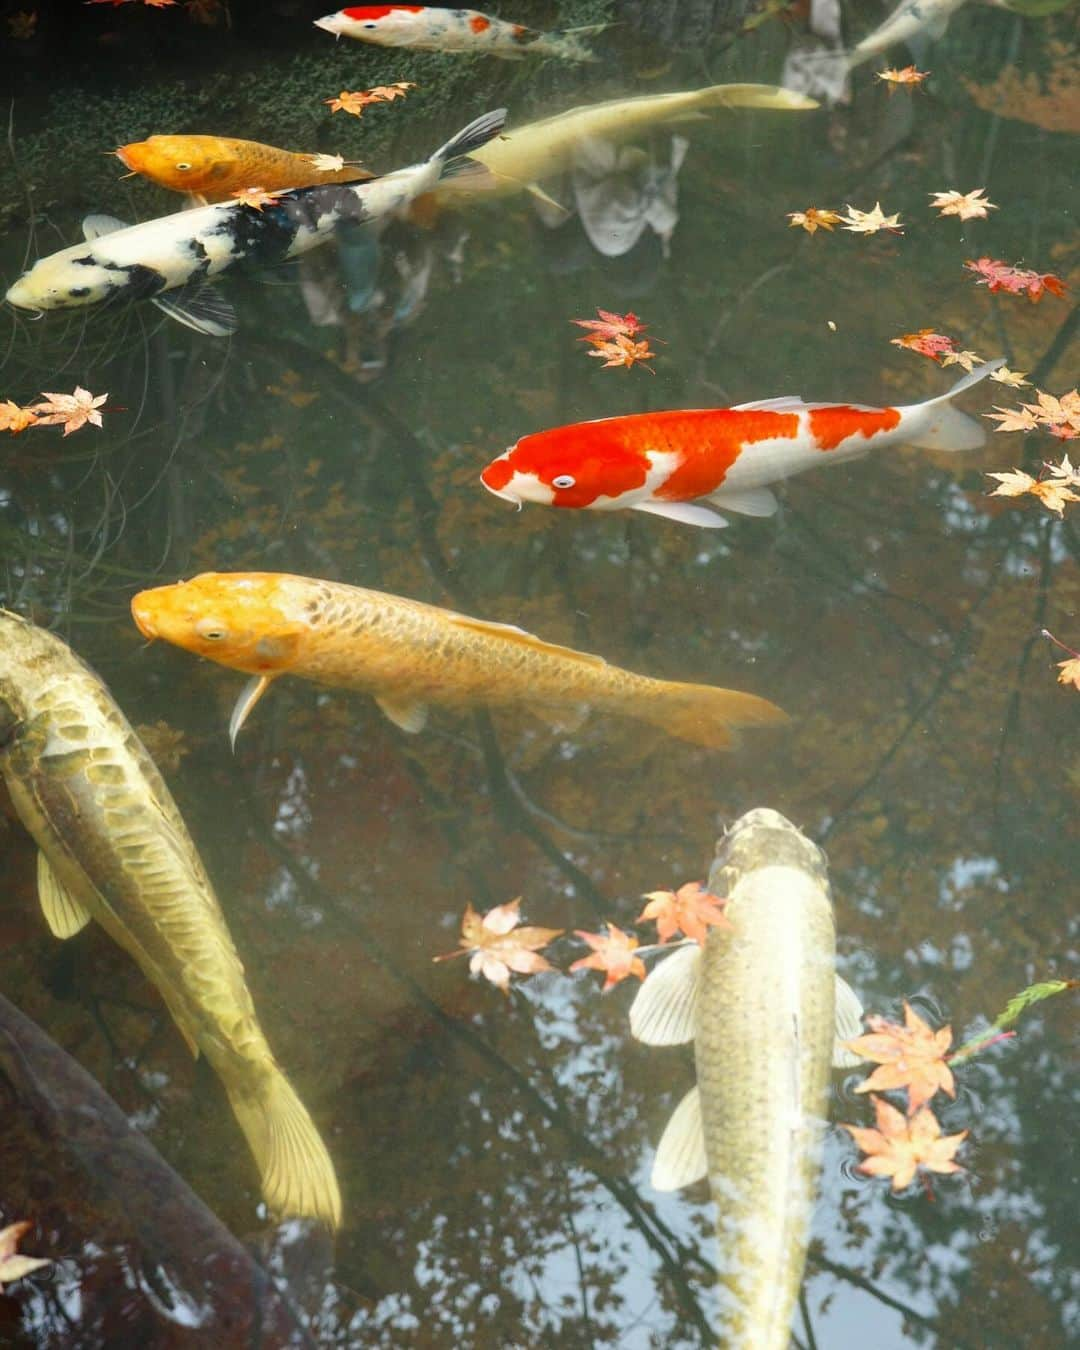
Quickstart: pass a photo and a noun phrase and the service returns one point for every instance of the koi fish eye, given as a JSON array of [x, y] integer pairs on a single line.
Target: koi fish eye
[[211, 630], [182, 167], [563, 480]]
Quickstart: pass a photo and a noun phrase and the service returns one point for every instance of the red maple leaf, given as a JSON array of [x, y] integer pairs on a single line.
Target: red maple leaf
[[690, 910], [613, 953], [999, 276]]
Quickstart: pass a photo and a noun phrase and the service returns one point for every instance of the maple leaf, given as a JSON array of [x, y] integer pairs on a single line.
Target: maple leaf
[[13, 1266], [15, 419], [327, 163], [498, 946], [610, 326], [927, 343], [1054, 492], [971, 205], [911, 1056], [72, 411], [386, 93], [164, 743], [901, 1145], [870, 222], [256, 197], [965, 359], [1012, 484], [1069, 672], [23, 25], [355, 101], [612, 953], [690, 910], [1061, 416], [906, 75], [1014, 378], [813, 220], [622, 352], [999, 276], [1014, 419]]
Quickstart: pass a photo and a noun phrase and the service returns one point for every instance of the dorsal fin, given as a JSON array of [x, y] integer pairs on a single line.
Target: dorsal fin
[[97, 225], [785, 403], [508, 633]]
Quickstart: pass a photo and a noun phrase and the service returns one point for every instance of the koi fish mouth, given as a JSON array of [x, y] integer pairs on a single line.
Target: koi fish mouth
[[143, 622], [329, 24], [122, 154], [496, 478]]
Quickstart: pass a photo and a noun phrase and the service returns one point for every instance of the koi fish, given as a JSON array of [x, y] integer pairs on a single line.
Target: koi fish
[[664, 462], [114, 847], [527, 155], [214, 167], [767, 1015], [409, 655], [433, 28], [183, 250]]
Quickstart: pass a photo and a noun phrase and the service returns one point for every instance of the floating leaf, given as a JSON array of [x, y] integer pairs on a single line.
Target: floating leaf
[[999, 276], [612, 953], [498, 946], [870, 222], [911, 1056], [971, 205], [901, 1145], [690, 910], [71, 411], [13, 1266], [906, 76], [812, 220]]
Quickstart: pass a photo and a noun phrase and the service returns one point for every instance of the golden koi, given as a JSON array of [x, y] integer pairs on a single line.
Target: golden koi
[[767, 1015], [215, 167], [409, 655], [114, 847]]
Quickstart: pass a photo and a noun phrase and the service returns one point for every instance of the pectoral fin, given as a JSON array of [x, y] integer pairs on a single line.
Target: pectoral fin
[[662, 1012], [747, 502], [63, 913], [249, 696], [93, 227], [686, 513], [680, 1155], [849, 1015], [410, 717], [201, 307]]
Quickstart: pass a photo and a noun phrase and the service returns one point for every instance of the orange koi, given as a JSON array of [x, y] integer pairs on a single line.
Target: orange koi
[[214, 167], [666, 462], [409, 655]]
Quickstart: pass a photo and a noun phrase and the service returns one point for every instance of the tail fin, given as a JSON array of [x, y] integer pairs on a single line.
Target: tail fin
[[754, 96], [472, 137], [705, 715], [297, 1175], [570, 44], [947, 428]]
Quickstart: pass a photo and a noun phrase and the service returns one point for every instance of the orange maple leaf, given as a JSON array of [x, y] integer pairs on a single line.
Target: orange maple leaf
[[623, 352], [813, 220], [911, 1056], [498, 946], [613, 953], [690, 910], [356, 100], [1068, 670], [901, 1145], [13, 418], [12, 1265], [71, 411], [927, 343], [256, 197], [906, 75], [610, 326]]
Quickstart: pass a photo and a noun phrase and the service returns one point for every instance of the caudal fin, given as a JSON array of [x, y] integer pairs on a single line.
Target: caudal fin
[[709, 716], [943, 427], [568, 43], [297, 1175], [754, 96], [472, 137]]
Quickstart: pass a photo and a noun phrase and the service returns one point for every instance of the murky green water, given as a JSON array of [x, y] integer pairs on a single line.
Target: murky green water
[[494, 1153]]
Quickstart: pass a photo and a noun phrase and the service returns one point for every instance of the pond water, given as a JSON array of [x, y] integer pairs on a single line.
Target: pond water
[[494, 1152]]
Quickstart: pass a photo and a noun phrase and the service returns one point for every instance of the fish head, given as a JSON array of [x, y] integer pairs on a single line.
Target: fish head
[[763, 837], [586, 465], [239, 619], [65, 280], [182, 163], [385, 25]]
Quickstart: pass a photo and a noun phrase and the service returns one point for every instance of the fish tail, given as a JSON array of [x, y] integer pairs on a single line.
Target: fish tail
[[708, 716], [472, 137], [939, 426], [753, 96], [569, 45], [297, 1175]]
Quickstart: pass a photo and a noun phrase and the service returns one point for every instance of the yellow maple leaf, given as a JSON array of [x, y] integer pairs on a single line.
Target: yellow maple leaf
[[870, 222], [813, 219], [13, 1266], [905, 75], [971, 205], [13, 418], [1016, 379], [256, 197], [496, 945]]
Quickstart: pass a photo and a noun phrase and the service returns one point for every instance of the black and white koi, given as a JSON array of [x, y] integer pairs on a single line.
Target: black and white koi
[[188, 248], [434, 28]]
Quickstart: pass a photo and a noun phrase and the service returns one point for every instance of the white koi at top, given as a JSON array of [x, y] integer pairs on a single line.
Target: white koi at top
[[187, 248], [434, 28]]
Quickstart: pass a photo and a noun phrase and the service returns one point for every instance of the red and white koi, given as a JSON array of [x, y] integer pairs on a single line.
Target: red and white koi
[[433, 28], [666, 463]]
